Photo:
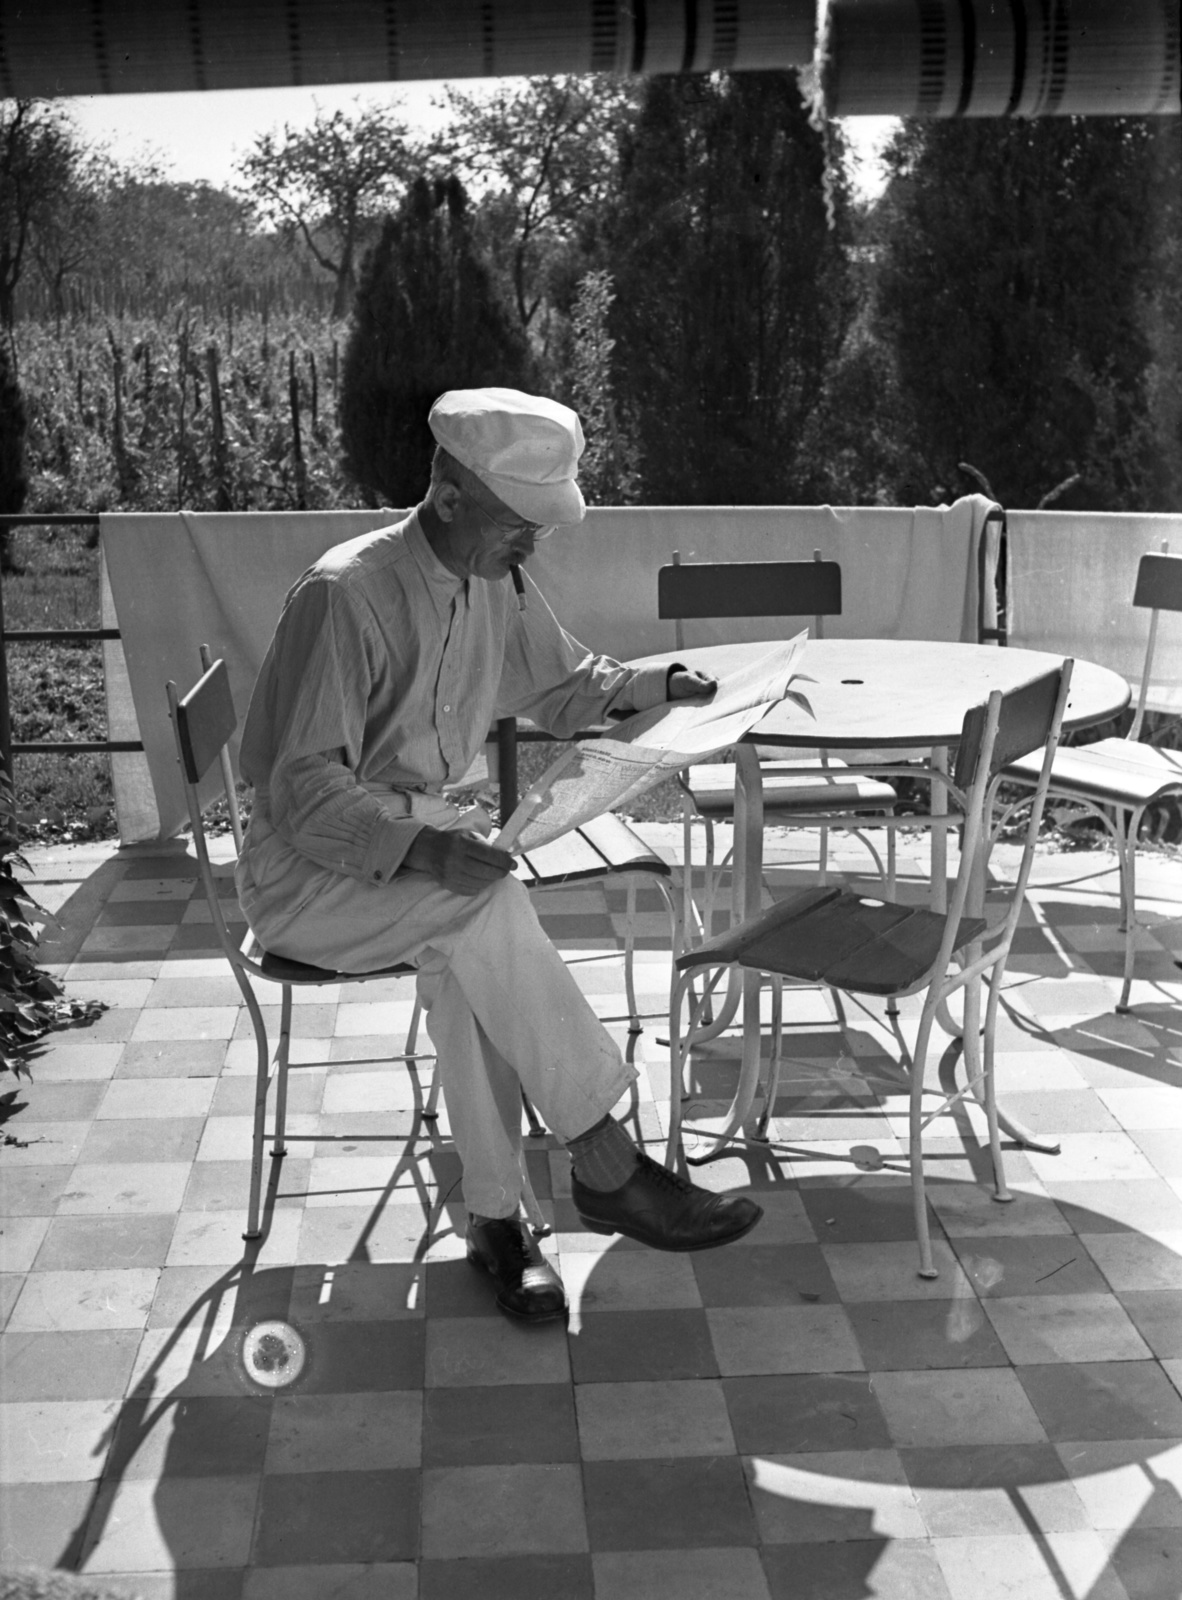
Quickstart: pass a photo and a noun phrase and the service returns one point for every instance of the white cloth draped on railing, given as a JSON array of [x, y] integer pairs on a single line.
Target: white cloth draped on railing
[[178, 580]]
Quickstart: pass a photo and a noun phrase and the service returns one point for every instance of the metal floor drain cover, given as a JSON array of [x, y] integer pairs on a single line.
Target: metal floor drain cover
[[274, 1354]]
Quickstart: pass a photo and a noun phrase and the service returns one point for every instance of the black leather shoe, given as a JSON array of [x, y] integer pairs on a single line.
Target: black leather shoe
[[527, 1285], [665, 1210]]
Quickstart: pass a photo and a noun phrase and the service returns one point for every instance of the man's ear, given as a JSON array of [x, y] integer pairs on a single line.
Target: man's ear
[[446, 497]]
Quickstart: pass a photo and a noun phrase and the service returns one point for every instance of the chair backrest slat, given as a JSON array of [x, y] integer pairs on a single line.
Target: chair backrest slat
[[750, 589], [205, 720], [1023, 724], [1159, 583]]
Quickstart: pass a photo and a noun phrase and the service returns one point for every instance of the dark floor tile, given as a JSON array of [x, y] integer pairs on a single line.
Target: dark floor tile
[[32, 1191], [909, 1335], [198, 938], [1148, 1561], [805, 1411], [139, 913], [764, 1275], [1157, 1316], [161, 864], [199, 1436], [11, 1284], [234, 1096], [194, 1583], [508, 1578], [60, 1102], [859, 1210], [125, 1139], [75, 1244], [474, 1427], [890, 1569], [982, 1466], [43, 1522], [1104, 1400], [667, 1504], [68, 1364], [180, 1058], [321, 1518], [642, 1346], [315, 1021], [364, 1357], [1045, 1263], [458, 1289]]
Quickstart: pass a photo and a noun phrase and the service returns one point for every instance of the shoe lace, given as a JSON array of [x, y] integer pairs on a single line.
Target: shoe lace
[[665, 1178]]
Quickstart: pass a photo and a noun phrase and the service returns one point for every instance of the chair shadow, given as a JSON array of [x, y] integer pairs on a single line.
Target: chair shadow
[[822, 1535]]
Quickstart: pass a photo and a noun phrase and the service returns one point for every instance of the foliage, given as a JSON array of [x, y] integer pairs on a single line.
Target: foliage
[[541, 154], [1019, 266], [326, 183], [38, 158], [607, 470], [732, 287], [121, 413], [14, 482], [427, 318], [30, 1000]]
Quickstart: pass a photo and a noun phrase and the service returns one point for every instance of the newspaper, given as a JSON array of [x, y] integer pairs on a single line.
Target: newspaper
[[598, 775]]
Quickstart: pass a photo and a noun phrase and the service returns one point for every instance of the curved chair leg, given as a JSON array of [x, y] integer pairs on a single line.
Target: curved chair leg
[[261, 1083], [773, 1066], [679, 1047], [1130, 824], [629, 952], [281, 1059], [1001, 1190], [927, 1266]]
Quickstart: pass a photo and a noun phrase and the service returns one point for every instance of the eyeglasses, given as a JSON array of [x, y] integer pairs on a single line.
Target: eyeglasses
[[517, 528]]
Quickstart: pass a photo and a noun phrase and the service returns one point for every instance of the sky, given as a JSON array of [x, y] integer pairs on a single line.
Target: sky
[[199, 136]]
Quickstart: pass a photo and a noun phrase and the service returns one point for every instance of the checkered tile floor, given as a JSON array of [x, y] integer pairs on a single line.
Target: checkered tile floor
[[797, 1415]]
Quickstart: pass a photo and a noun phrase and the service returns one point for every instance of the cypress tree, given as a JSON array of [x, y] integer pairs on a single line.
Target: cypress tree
[[427, 318]]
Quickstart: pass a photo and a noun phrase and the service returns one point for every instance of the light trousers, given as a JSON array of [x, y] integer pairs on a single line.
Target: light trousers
[[503, 1012]]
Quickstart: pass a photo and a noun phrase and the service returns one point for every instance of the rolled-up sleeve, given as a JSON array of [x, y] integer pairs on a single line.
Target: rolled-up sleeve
[[558, 683]]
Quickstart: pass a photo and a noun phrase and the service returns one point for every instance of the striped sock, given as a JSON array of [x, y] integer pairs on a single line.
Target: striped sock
[[604, 1157]]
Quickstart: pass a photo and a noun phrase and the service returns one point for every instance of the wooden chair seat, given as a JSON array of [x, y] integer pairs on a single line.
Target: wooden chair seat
[[791, 788], [281, 970], [834, 937], [1111, 772]]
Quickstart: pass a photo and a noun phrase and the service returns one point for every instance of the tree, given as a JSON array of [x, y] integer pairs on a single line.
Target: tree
[[38, 162], [427, 318], [732, 287], [542, 156], [1018, 268], [326, 184], [607, 470], [14, 482]]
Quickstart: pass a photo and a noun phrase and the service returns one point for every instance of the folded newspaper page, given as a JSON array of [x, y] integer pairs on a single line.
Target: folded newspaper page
[[598, 775]]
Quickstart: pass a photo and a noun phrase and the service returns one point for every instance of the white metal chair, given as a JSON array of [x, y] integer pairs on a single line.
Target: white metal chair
[[835, 937], [797, 793], [1115, 780]]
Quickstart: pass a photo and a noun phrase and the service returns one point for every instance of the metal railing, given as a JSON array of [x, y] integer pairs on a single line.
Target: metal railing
[[9, 747]]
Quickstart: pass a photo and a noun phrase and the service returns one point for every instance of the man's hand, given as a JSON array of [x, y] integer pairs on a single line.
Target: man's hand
[[462, 862], [691, 685]]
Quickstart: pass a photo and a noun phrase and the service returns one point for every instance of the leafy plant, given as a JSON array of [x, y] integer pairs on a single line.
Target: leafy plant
[[31, 1001]]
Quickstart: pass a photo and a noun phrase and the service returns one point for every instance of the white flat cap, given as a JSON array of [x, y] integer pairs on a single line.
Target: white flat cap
[[524, 447]]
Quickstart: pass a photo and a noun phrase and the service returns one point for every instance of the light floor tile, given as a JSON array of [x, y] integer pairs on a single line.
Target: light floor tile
[[1126, 1483], [758, 1339], [95, 1299], [1151, 1107], [975, 1406], [1065, 1327], [1086, 1156], [889, 1270], [54, 1441], [628, 1280], [503, 1510], [734, 1574], [20, 1240], [1018, 1568], [214, 1238], [831, 1496], [177, 1523], [392, 1090], [634, 1421], [186, 1022], [137, 1188], [345, 1432]]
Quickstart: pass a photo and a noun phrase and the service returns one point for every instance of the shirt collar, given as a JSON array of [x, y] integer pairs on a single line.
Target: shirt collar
[[442, 583]]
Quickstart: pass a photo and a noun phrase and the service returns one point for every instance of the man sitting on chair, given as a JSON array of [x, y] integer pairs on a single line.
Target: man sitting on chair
[[392, 657]]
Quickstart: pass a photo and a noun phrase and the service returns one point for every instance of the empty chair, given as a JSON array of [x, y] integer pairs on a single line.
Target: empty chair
[[846, 941], [1116, 779], [797, 793]]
